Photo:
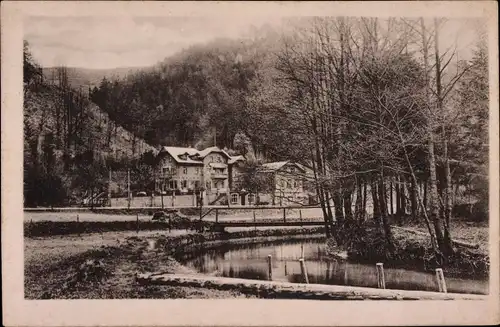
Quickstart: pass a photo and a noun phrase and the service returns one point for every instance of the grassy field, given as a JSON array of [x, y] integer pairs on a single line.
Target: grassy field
[[68, 267], [104, 266]]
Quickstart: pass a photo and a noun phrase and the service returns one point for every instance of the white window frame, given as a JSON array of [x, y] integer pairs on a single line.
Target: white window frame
[[234, 198], [185, 170]]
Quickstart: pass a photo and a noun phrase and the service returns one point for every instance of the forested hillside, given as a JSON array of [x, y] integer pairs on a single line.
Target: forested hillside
[[86, 78], [69, 142], [192, 95]]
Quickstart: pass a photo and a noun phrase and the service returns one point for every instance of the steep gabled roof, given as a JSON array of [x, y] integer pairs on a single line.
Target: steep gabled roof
[[194, 156], [207, 151], [177, 152], [235, 159], [276, 166]]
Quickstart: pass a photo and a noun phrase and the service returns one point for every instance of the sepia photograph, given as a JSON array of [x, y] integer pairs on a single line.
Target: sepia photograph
[[297, 157]]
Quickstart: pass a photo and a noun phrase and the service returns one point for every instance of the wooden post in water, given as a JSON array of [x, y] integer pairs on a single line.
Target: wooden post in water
[[380, 275], [300, 215], [169, 223], [270, 267], [440, 280], [284, 215], [216, 215], [302, 251], [303, 270], [137, 224]]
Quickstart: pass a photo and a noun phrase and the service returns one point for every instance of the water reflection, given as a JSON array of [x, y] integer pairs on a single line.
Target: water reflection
[[250, 262]]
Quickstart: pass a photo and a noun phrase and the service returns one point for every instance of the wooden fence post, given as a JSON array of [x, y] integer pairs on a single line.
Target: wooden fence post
[[303, 270], [440, 280], [254, 222], [78, 224], [270, 267], [300, 215], [380, 275]]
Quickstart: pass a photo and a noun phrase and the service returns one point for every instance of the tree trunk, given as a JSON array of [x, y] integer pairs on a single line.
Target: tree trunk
[[433, 194], [348, 205], [363, 211], [339, 212], [448, 246], [402, 194], [383, 211], [398, 198], [425, 195], [376, 208], [391, 198], [332, 227], [358, 206], [319, 190], [414, 212]]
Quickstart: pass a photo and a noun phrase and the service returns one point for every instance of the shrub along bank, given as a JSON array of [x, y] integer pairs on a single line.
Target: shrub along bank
[[367, 244], [52, 228]]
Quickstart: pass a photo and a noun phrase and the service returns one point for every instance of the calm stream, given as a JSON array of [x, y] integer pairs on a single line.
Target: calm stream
[[250, 262]]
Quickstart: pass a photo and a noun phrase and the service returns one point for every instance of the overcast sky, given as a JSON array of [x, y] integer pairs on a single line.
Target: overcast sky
[[110, 42]]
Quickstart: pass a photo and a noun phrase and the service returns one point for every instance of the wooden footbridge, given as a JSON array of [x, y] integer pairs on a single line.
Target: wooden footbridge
[[253, 221]]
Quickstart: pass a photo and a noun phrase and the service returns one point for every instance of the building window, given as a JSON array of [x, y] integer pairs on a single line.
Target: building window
[[185, 171], [165, 170], [173, 185], [207, 185], [288, 184], [251, 199], [197, 171], [234, 198], [184, 184]]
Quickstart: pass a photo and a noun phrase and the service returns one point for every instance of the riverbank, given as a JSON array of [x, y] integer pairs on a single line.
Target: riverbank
[[105, 266], [413, 249], [282, 290]]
